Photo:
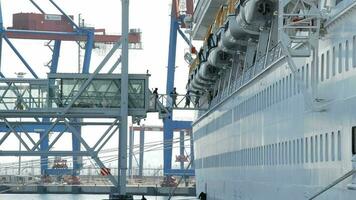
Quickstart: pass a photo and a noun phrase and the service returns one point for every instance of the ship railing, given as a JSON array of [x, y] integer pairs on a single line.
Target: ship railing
[[334, 183], [261, 64], [250, 73], [168, 102]]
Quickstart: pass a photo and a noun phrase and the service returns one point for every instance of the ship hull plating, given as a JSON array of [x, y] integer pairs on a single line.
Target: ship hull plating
[[265, 142]]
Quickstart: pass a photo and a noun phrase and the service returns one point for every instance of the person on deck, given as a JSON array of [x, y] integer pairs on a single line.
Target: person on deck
[[196, 100], [187, 99], [202, 196], [155, 94], [210, 97], [174, 95]]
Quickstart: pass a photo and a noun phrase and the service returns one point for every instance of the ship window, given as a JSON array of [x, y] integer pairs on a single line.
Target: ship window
[[298, 151], [322, 68], [259, 156], [347, 55], [243, 157], [332, 146], [247, 157], [287, 87], [279, 154], [354, 51], [272, 94], [283, 88], [281, 158], [286, 153], [252, 159], [257, 102], [237, 158], [307, 76], [266, 155], [311, 149], [327, 64], [302, 150], [257, 149], [270, 154], [326, 147], [282, 153], [255, 156], [262, 155], [306, 150], [292, 85], [316, 148], [261, 100], [252, 156], [339, 145], [353, 140], [296, 81], [334, 61], [273, 156], [321, 148], [267, 97], [295, 84], [290, 152], [294, 152], [275, 160], [340, 58], [262, 96], [280, 90]]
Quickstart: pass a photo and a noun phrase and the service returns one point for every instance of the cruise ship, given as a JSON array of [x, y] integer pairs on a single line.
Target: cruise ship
[[279, 78]]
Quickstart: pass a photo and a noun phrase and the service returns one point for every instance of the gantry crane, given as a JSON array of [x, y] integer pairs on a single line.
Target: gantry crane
[[58, 103]]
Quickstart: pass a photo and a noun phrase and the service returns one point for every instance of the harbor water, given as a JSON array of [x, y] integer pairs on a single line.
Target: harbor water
[[76, 197]]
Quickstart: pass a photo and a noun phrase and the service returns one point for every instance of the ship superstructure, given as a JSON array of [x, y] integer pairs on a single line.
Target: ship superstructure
[[279, 79]]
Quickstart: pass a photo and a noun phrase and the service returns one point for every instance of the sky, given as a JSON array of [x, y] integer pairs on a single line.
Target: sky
[[152, 17]]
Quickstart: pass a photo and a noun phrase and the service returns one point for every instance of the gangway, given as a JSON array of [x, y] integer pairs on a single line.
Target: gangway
[[57, 96], [164, 104]]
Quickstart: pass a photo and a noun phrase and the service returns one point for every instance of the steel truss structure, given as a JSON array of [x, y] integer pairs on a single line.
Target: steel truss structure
[[300, 26], [177, 22], [182, 149], [61, 103]]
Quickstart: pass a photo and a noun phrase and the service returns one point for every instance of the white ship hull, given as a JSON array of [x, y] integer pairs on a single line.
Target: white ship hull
[[265, 142]]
